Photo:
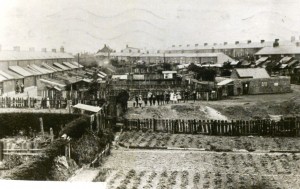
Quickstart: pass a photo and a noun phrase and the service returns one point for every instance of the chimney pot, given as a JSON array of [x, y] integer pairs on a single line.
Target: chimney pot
[[188, 45], [17, 48], [205, 44], [262, 41], [53, 50], [215, 44], [62, 49], [298, 44], [31, 49], [293, 39], [196, 45], [225, 43], [158, 51], [237, 42], [249, 41], [173, 45], [179, 45], [126, 46]]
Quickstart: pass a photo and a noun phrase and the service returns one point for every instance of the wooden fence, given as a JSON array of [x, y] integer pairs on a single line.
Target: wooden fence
[[98, 160], [10, 102], [288, 127]]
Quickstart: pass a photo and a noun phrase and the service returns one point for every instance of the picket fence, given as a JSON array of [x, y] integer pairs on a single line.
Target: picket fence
[[284, 127], [10, 102]]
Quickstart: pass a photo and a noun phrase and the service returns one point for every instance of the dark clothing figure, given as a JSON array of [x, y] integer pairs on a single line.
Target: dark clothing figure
[[153, 99], [150, 100], [158, 99], [186, 96], [168, 98], [194, 95], [146, 101], [22, 88], [137, 101]]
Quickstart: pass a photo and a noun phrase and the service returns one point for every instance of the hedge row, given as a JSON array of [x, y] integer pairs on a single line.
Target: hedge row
[[12, 123], [40, 168]]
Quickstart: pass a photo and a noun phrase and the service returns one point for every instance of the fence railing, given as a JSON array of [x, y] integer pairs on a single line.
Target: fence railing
[[217, 127], [10, 102], [100, 156]]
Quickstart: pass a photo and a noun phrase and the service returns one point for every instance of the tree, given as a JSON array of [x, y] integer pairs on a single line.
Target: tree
[[122, 99], [93, 86]]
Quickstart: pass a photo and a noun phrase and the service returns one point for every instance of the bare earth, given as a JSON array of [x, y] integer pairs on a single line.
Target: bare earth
[[192, 169]]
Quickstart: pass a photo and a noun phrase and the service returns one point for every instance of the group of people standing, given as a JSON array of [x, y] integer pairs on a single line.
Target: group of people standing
[[166, 97]]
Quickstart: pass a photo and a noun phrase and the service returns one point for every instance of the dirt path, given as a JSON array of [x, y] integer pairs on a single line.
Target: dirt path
[[85, 175]]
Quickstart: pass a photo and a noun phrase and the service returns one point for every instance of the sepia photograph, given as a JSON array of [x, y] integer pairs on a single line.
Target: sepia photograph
[[139, 94]]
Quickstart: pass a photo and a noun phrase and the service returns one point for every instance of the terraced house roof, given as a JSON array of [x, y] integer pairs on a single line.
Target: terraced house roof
[[32, 55]]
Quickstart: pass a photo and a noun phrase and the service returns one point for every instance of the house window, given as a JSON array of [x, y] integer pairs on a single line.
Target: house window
[[264, 84]]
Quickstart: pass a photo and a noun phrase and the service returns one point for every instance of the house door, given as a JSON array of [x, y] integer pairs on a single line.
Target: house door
[[245, 88]]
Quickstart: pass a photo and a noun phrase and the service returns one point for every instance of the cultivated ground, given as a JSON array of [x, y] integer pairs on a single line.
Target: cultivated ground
[[127, 168], [215, 143]]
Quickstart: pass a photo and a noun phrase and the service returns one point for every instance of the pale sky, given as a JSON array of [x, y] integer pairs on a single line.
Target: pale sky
[[86, 25]]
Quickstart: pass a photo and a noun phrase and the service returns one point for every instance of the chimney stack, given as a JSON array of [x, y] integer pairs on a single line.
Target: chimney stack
[[31, 49], [298, 44], [262, 41], [44, 50], [205, 44], [188, 45], [17, 48], [249, 41], [225, 43], [215, 44], [126, 45], [179, 45], [62, 49], [0, 48], [173, 45], [54, 50], [293, 39], [147, 52], [158, 51], [276, 43], [196, 45], [237, 42]]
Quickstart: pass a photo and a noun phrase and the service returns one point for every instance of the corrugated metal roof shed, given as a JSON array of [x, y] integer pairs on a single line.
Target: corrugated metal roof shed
[[6, 75], [2, 78], [87, 107], [76, 64], [32, 71], [40, 69], [225, 82], [261, 60], [32, 55], [60, 66], [69, 65], [252, 73], [20, 70]]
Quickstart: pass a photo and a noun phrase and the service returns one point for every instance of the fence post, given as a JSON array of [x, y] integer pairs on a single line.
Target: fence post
[[1, 150]]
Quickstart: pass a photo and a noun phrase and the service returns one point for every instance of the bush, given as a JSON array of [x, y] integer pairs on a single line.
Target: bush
[[40, 167]]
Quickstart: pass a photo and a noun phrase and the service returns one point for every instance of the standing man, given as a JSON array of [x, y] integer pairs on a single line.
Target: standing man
[[186, 95], [194, 95], [22, 88]]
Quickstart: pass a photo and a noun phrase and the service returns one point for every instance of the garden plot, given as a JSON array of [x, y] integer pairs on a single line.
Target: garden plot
[[186, 169], [153, 139]]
